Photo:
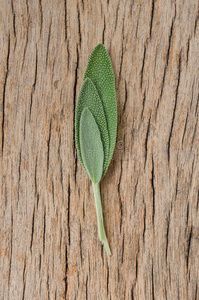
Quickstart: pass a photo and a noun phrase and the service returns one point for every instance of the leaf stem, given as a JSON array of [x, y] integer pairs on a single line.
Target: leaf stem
[[101, 230]]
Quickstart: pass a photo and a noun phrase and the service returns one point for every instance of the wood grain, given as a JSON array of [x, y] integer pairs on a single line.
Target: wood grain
[[49, 245]]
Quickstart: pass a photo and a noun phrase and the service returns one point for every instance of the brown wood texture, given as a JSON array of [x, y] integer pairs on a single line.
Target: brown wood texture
[[49, 246]]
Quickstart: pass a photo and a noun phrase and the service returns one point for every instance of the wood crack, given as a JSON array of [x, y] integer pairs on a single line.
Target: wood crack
[[32, 232], [122, 260], [107, 280], [14, 23], [132, 292], [196, 23], [24, 128], [80, 243], [189, 247], [146, 141], [102, 253], [124, 106], [27, 37], [65, 20], [68, 53], [53, 194], [185, 127], [48, 285], [66, 271], [103, 32], [144, 228], [196, 291], [142, 69], [48, 43], [68, 225], [136, 267], [152, 282], [122, 55], [196, 110], [135, 192], [167, 236], [152, 15], [174, 109], [176, 185], [36, 176], [19, 175], [188, 46], [120, 200], [4, 92], [143, 104], [74, 104], [83, 4], [125, 99], [87, 287], [44, 231], [167, 62], [24, 280], [11, 248], [61, 163], [79, 24], [153, 188], [48, 145], [41, 16], [34, 83]]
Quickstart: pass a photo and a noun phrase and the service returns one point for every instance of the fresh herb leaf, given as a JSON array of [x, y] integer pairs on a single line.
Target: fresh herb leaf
[[100, 71], [91, 146], [96, 125], [88, 97]]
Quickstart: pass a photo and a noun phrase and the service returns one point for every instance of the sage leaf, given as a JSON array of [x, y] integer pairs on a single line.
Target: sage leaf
[[96, 125], [99, 70], [91, 146], [88, 97]]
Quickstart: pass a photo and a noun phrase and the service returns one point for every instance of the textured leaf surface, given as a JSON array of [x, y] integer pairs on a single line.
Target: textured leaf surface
[[88, 97], [91, 146], [100, 71]]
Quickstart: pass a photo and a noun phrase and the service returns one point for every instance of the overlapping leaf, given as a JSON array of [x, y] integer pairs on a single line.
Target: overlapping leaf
[[98, 94], [88, 97], [99, 70], [96, 125], [91, 146]]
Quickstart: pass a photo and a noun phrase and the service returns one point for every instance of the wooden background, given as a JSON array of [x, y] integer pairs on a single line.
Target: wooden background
[[49, 246]]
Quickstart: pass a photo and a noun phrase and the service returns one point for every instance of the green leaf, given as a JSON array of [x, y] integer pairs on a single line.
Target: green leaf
[[91, 146], [88, 97], [96, 125], [100, 71]]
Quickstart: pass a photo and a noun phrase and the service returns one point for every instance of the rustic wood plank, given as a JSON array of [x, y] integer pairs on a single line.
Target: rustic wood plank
[[49, 242]]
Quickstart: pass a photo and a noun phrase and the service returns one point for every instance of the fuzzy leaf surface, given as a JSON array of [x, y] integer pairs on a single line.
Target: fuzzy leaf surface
[[88, 97], [99, 70], [91, 146]]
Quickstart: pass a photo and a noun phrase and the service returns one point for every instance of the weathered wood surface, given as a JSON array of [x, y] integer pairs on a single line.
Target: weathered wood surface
[[49, 247]]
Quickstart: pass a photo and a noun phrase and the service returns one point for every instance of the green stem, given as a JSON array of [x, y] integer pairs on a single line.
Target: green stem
[[101, 230]]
